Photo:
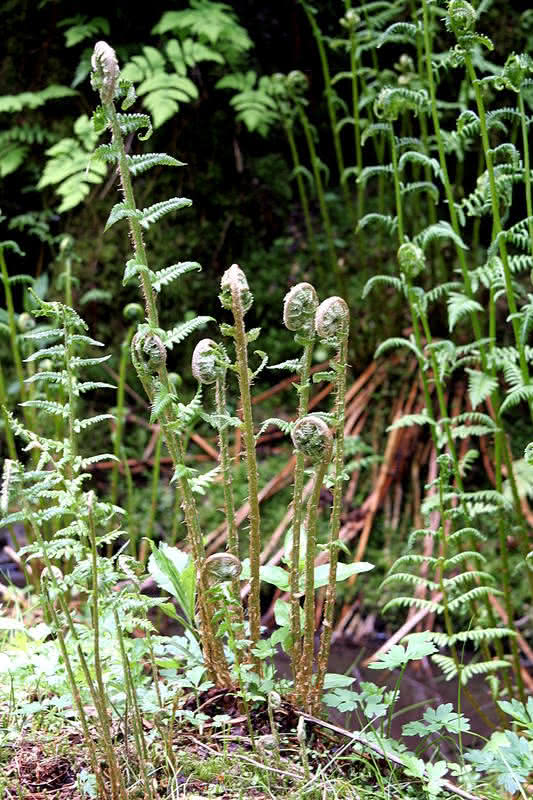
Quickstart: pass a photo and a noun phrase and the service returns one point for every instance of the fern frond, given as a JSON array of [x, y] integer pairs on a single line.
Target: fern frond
[[389, 222], [415, 602], [47, 352], [476, 593], [180, 332], [478, 635], [446, 664], [152, 214], [413, 580], [284, 425], [408, 420], [439, 230], [129, 123], [397, 341], [292, 364], [516, 396], [482, 668], [201, 483], [142, 163], [459, 306], [168, 274], [82, 424], [414, 559], [460, 558], [48, 407], [378, 280]]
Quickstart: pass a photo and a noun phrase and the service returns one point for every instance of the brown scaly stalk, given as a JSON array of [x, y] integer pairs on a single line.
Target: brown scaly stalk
[[149, 354], [236, 296], [299, 307], [332, 325], [312, 437]]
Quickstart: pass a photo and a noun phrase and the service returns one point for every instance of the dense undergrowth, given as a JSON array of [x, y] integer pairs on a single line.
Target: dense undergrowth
[[184, 518]]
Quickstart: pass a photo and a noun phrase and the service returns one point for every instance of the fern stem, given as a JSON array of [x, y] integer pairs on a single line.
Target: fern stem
[[335, 519], [227, 482], [138, 732], [396, 179], [297, 507], [76, 696], [305, 687], [326, 220], [135, 227], [11, 449], [527, 170], [329, 93], [156, 470], [303, 194], [12, 324], [119, 428], [243, 373], [355, 69]]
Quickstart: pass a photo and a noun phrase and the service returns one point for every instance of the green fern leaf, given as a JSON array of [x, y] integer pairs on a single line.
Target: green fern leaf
[[201, 483], [446, 665], [153, 213], [516, 396], [82, 424], [48, 407], [378, 280], [142, 163], [409, 420], [180, 332], [459, 306], [129, 123], [121, 211], [398, 341], [473, 594], [414, 602], [168, 274]]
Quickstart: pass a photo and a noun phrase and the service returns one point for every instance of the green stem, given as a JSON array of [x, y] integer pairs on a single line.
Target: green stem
[[335, 519], [324, 213], [241, 345], [328, 91], [527, 169], [305, 688], [297, 508], [302, 192]]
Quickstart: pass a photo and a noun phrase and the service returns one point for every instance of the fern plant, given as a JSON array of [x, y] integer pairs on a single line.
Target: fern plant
[[453, 580]]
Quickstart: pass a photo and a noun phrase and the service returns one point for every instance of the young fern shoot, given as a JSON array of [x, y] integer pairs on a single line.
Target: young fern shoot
[[150, 343], [312, 437], [299, 309], [332, 325], [236, 296]]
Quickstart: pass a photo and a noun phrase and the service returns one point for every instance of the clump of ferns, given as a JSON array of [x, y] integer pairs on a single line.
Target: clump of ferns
[[151, 343], [455, 583], [53, 489]]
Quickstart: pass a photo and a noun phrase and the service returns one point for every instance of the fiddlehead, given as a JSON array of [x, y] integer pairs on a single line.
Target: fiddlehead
[[299, 308]]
